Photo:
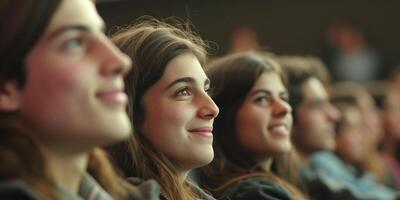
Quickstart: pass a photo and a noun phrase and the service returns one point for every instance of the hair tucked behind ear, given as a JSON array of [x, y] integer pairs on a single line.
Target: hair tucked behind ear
[[21, 156]]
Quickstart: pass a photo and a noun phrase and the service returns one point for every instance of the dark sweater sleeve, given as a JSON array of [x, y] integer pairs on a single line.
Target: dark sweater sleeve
[[149, 188], [256, 188], [17, 189]]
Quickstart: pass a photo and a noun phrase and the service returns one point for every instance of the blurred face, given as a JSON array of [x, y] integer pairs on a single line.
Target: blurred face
[[264, 121], [74, 89], [392, 114], [179, 114], [350, 137], [316, 119], [371, 118]]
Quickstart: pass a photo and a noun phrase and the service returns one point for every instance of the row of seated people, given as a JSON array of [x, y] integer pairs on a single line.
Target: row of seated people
[[86, 117]]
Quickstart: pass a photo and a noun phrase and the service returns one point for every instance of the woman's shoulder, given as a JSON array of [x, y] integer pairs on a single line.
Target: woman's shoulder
[[255, 188], [148, 188], [18, 189], [201, 193]]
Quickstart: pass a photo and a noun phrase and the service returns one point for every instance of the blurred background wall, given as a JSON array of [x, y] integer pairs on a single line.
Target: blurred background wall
[[282, 26]]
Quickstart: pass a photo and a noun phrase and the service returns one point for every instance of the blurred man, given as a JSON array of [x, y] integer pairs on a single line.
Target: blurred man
[[314, 115], [324, 174]]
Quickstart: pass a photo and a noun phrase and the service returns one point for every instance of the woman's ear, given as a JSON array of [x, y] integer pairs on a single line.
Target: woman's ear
[[10, 97]]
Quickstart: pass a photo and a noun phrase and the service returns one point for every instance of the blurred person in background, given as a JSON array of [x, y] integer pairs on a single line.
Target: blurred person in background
[[252, 132], [244, 38], [350, 130], [373, 133], [314, 116], [391, 140], [349, 56], [314, 134], [343, 173], [394, 76]]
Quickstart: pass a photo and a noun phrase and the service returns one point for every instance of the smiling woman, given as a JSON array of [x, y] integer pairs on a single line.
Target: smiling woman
[[179, 114], [252, 130], [169, 106], [61, 98]]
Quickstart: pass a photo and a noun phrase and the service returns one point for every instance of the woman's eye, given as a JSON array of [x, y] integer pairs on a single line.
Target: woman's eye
[[72, 43], [183, 92], [262, 100]]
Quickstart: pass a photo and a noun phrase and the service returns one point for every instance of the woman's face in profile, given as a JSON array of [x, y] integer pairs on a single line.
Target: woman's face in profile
[[180, 114], [74, 89]]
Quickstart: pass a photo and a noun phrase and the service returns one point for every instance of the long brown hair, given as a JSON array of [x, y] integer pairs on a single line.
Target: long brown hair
[[232, 77], [22, 157], [21, 154], [151, 44]]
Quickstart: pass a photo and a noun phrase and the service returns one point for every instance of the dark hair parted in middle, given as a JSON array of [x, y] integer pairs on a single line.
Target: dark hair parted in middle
[[152, 45], [232, 79]]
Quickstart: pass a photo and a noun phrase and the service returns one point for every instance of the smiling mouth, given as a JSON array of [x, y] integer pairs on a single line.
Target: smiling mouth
[[280, 130], [115, 96], [204, 131]]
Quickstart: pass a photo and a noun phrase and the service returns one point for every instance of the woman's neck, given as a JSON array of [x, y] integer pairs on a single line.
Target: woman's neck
[[265, 163], [67, 169], [182, 175]]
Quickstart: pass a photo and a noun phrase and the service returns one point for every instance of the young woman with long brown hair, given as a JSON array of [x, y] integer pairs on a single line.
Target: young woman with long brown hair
[[61, 98], [252, 130], [169, 106]]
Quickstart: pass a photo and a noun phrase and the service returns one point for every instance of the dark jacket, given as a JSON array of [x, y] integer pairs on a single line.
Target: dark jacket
[[201, 193], [18, 189], [256, 188]]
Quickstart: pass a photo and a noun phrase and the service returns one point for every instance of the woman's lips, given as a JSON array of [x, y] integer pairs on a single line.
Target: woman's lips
[[114, 96], [203, 131], [279, 129]]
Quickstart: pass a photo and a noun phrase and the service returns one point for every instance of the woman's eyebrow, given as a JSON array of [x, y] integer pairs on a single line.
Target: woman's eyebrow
[[189, 80], [66, 29], [184, 79], [78, 27], [267, 92]]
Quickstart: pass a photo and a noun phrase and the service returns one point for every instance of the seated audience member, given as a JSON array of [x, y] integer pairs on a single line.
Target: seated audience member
[[60, 100], [323, 173], [343, 172], [169, 107], [252, 130], [391, 140], [373, 134], [313, 114], [350, 130]]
